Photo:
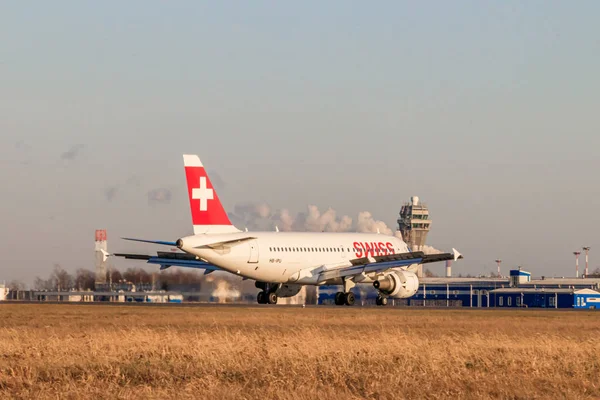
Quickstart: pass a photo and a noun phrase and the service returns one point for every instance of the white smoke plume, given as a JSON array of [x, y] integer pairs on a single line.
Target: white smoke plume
[[366, 223], [259, 216], [431, 250], [224, 292], [326, 222], [287, 220]]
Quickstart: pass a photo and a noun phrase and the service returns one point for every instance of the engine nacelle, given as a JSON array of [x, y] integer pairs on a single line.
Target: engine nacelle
[[287, 290], [398, 284]]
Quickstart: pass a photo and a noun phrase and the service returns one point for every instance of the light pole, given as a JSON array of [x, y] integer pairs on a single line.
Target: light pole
[[577, 253], [587, 251]]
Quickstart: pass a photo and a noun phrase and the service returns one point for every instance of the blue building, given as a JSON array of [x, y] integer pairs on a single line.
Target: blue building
[[519, 277], [519, 290], [546, 298], [586, 298], [433, 292]]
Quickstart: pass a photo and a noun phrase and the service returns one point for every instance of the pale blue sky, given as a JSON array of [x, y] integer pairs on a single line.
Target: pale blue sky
[[489, 111]]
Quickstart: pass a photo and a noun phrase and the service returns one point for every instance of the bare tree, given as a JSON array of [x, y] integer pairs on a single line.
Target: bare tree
[[428, 273], [137, 276], [85, 279], [16, 285], [44, 284], [62, 279], [595, 273], [115, 276]]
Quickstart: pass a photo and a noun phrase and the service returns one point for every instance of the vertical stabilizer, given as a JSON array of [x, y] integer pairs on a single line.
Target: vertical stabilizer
[[208, 214]]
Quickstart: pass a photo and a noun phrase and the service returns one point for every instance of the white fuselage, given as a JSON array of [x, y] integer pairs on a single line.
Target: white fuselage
[[280, 257]]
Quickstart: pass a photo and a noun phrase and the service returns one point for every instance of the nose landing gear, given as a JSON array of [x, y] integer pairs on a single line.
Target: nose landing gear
[[381, 301]]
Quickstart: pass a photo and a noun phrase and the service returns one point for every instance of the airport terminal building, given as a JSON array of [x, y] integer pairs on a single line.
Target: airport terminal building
[[519, 290]]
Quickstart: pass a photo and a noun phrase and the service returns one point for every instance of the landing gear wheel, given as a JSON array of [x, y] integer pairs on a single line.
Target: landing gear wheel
[[261, 297], [349, 299], [381, 301], [272, 298], [340, 299]]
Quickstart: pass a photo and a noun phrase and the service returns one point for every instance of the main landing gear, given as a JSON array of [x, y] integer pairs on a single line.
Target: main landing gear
[[342, 298], [266, 298], [267, 295], [346, 297], [381, 301]]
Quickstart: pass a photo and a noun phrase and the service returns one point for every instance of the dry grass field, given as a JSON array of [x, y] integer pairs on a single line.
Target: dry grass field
[[129, 352]]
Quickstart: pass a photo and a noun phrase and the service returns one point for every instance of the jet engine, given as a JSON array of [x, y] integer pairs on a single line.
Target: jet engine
[[286, 290], [280, 289], [398, 284]]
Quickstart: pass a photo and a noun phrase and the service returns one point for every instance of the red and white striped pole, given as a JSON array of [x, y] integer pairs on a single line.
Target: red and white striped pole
[[577, 253], [587, 251]]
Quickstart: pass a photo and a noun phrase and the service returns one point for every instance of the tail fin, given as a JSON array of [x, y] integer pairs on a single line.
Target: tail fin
[[208, 214]]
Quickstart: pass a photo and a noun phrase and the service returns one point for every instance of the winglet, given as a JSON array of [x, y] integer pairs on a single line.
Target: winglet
[[105, 255], [457, 255]]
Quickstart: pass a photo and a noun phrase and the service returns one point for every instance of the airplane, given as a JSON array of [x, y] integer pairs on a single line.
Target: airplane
[[282, 262]]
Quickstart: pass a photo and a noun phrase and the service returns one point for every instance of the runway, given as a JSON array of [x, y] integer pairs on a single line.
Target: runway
[[253, 306]]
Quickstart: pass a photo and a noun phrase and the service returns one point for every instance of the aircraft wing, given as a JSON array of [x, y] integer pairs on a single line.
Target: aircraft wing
[[166, 260], [382, 263]]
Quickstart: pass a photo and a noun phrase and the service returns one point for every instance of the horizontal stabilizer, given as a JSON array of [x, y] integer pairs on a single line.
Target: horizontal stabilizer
[[166, 260], [162, 242], [224, 242]]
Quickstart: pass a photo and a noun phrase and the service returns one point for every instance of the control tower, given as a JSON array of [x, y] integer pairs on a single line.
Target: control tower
[[414, 224]]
